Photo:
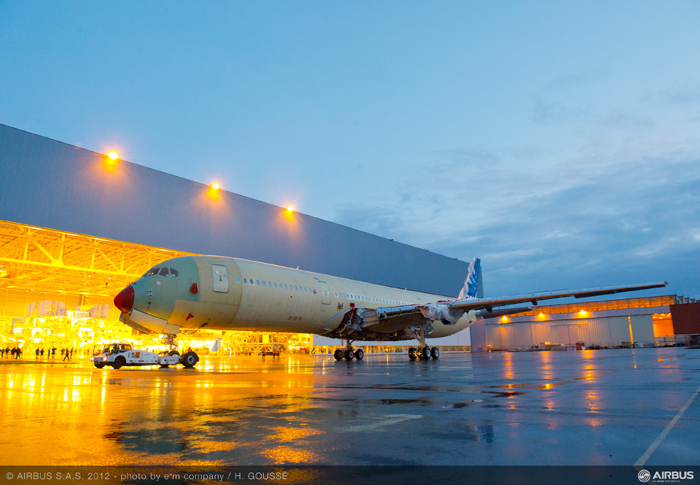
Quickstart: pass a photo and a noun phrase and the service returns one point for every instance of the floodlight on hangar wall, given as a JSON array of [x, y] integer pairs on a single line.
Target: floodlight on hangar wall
[[110, 160]]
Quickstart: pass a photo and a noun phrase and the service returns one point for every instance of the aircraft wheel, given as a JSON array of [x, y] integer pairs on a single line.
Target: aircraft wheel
[[338, 354], [174, 352], [435, 353], [425, 353], [349, 354], [412, 353], [189, 359], [99, 365], [119, 362], [359, 354]]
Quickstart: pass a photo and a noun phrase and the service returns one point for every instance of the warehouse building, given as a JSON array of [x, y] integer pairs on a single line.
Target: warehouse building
[[645, 321]]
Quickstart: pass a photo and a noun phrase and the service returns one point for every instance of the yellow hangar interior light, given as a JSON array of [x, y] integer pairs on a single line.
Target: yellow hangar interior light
[[290, 208], [113, 155], [215, 186]]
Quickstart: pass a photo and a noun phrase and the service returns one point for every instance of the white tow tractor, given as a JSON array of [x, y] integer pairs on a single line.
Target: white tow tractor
[[120, 354]]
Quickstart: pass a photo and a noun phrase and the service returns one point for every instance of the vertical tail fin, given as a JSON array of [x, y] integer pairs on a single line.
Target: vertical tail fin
[[473, 286]]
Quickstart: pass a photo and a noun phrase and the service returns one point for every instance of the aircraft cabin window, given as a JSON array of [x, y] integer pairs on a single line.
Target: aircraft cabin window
[[238, 280], [174, 273], [164, 272], [295, 288], [245, 281], [257, 282]]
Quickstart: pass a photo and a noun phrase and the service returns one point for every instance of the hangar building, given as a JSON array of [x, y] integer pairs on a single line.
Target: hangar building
[[639, 321], [77, 226]]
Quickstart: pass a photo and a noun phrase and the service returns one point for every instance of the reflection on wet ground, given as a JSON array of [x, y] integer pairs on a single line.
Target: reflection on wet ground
[[572, 408]]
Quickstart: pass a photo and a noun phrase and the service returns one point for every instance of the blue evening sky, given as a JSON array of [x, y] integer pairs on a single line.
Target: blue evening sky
[[558, 141]]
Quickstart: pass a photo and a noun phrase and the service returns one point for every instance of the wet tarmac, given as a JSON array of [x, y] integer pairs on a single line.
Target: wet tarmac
[[602, 408]]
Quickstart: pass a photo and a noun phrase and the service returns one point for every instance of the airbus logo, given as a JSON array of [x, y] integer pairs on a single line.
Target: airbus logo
[[665, 477]]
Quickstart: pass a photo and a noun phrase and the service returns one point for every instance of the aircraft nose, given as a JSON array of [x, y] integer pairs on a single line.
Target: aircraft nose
[[125, 299]]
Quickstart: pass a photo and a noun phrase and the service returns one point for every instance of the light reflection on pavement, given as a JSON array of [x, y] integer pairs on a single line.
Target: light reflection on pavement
[[571, 408]]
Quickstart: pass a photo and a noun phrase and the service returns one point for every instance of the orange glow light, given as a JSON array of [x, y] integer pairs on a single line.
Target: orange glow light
[[215, 186], [290, 208], [113, 155]]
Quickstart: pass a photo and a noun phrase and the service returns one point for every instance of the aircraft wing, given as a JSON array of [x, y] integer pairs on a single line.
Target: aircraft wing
[[401, 322], [448, 312], [490, 303]]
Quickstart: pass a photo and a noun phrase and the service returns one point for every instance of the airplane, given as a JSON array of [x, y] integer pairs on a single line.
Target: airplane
[[224, 293]]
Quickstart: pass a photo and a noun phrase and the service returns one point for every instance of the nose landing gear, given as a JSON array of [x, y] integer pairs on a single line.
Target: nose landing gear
[[188, 359]]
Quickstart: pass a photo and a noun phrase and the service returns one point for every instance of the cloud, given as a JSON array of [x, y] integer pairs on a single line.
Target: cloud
[[684, 95], [575, 79], [554, 111], [603, 219]]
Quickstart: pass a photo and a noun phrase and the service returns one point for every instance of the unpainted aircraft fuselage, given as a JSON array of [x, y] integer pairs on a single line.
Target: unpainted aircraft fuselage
[[224, 293]]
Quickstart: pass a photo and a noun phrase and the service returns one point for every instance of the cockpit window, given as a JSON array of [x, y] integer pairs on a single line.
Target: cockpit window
[[152, 271], [164, 272], [174, 273]]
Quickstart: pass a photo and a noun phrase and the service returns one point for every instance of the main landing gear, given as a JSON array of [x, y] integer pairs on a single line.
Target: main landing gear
[[348, 353], [423, 352]]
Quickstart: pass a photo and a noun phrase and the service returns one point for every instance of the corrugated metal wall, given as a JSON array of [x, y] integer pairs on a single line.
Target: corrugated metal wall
[[606, 331], [144, 206], [643, 328]]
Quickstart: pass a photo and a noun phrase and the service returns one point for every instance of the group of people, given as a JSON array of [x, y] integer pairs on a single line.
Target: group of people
[[11, 353], [16, 353]]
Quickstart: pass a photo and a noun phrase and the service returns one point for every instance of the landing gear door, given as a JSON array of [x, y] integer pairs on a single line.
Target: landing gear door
[[220, 274]]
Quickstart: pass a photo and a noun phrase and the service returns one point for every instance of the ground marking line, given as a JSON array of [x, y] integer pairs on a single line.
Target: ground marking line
[[643, 459], [396, 419]]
